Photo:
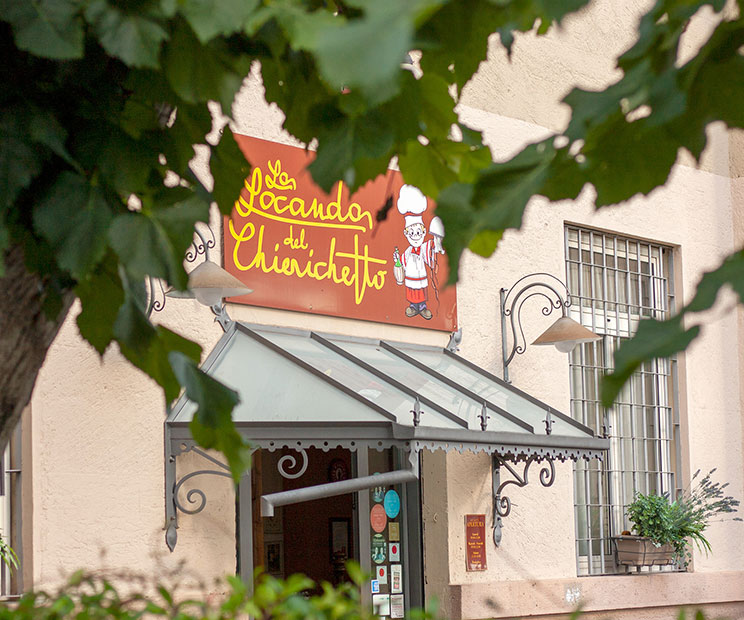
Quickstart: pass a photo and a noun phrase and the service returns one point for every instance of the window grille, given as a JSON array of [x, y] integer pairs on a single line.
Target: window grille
[[614, 282], [10, 518]]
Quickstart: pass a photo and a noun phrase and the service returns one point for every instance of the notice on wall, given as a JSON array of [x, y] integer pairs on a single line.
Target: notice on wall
[[374, 255], [475, 542]]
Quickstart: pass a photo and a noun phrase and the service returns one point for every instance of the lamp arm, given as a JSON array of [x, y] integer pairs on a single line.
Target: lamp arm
[[512, 301], [519, 344], [206, 243]]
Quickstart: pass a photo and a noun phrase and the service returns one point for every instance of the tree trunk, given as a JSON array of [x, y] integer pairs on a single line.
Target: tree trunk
[[26, 333]]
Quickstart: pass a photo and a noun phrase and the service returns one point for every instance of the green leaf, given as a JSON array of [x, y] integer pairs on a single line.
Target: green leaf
[[45, 129], [657, 339], [503, 190], [20, 162], [437, 112], [615, 173], [486, 242], [654, 339], [362, 52], [200, 73], [125, 162], [101, 295], [229, 169], [565, 179], [153, 242], [212, 425], [455, 207], [731, 272], [148, 348], [366, 52], [74, 217], [292, 83], [192, 124], [455, 41], [442, 162], [209, 18], [46, 28], [425, 168], [132, 37], [343, 142]]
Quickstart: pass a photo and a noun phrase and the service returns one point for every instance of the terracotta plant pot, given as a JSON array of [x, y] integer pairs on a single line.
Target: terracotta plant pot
[[640, 551]]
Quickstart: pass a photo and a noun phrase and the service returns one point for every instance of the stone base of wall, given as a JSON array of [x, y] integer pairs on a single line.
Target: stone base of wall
[[640, 597]]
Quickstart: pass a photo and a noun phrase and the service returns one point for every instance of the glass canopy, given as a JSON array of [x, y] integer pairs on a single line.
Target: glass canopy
[[301, 388]]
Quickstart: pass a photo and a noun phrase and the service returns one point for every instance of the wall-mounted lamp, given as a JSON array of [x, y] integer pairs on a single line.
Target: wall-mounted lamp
[[565, 333]]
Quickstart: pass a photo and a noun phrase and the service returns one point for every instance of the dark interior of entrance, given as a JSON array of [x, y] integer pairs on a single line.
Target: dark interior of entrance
[[316, 537]]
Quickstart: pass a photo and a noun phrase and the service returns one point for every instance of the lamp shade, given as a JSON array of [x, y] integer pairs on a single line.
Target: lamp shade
[[210, 284], [565, 334]]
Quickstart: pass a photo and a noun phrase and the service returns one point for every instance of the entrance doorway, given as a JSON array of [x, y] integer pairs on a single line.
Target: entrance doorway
[[315, 538], [379, 527]]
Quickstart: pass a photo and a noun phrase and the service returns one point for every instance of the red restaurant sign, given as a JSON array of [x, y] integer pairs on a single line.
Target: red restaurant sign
[[301, 249]]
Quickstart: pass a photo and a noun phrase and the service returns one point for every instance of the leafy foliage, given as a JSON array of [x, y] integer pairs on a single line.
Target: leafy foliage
[[682, 521], [90, 595], [104, 101], [8, 555]]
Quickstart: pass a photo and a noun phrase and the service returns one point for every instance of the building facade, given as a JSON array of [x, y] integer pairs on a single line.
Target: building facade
[[93, 467]]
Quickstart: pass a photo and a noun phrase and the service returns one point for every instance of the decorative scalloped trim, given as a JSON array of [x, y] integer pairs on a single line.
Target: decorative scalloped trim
[[511, 452]]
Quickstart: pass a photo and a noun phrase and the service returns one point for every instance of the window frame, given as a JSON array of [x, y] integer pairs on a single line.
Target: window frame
[[611, 290]]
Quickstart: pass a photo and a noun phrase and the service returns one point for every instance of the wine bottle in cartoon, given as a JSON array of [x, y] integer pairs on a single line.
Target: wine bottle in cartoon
[[397, 267]]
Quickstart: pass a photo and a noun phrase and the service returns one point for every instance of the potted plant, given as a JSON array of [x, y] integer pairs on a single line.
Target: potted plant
[[665, 529]]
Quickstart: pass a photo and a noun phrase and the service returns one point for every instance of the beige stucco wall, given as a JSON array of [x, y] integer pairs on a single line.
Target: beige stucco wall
[[97, 424]]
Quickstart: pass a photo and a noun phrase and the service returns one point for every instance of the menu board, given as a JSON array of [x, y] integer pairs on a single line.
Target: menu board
[[475, 542]]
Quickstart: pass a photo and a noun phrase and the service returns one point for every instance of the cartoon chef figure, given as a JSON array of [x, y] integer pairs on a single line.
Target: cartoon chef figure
[[411, 266]]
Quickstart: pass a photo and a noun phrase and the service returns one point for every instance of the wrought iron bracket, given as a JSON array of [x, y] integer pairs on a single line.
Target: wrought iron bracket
[[201, 243], [221, 316], [196, 498], [501, 503], [539, 284]]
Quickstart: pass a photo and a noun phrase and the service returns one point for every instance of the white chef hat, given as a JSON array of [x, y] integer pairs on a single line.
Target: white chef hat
[[411, 204]]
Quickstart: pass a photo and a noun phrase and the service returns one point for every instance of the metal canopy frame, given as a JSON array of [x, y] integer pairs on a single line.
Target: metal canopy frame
[[382, 429]]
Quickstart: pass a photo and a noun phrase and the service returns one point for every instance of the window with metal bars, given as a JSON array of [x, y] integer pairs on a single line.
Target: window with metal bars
[[614, 282], [10, 513]]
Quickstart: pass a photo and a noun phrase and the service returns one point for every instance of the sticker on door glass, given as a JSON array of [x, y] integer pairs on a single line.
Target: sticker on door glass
[[381, 604], [395, 552], [382, 575], [394, 531], [378, 548], [375, 586], [378, 493], [397, 606], [392, 503], [377, 518], [396, 578]]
